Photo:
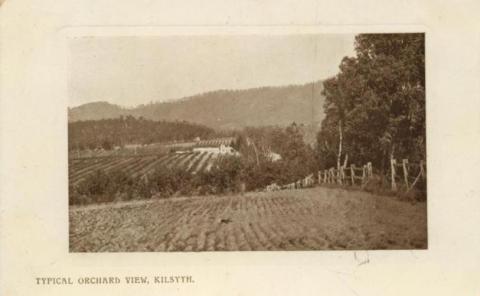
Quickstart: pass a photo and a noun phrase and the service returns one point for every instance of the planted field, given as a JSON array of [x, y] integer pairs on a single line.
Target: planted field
[[203, 143], [308, 219], [149, 149], [136, 166]]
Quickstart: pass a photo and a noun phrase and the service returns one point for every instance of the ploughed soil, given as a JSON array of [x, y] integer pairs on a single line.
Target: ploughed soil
[[306, 219]]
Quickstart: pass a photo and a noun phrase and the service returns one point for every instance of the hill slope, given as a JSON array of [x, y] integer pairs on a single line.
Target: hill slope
[[374, 222], [225, 109], [108, 133]]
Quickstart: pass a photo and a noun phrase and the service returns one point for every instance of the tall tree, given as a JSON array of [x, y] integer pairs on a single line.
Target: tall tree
[[377, 100]]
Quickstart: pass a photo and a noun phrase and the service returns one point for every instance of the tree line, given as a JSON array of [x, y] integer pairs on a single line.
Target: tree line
[[375, 105], [108, 133]]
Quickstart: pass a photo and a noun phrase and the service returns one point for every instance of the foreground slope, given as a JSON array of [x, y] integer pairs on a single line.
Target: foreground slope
[[308, 219]]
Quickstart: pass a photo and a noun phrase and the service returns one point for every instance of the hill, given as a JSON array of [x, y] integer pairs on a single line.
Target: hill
[[108, 133], [95, 111], [224, 109]]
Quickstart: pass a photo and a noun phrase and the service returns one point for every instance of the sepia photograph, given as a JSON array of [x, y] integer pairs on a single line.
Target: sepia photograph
[[239, 147], [247, 142]]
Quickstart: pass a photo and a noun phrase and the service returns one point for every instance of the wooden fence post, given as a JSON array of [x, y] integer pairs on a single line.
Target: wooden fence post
[[393, 163], [422, 168], [352, 173], [364, 173], [405, 171], [341, 175], [369, 170]]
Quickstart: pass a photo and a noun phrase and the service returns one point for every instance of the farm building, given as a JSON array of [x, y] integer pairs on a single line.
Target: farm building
[[273, 156], [222, 149]]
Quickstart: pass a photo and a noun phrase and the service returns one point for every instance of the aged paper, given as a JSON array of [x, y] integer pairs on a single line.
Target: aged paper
[[36, 254]]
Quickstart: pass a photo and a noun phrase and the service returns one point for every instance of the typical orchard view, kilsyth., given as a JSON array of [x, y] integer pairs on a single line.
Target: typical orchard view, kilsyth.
[[247, 142]]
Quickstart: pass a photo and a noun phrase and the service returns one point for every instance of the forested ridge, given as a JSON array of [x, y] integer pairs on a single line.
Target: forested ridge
[[224, 109], [107, 133]]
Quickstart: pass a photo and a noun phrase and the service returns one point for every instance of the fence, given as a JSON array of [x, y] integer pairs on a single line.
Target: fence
[[405, 173], [352, 175]]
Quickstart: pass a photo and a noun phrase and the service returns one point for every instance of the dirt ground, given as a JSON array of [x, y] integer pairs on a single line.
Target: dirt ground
[[307, 219]]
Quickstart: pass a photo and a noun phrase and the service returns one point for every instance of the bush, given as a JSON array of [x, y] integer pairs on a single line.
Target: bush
[[228, 174], [167, 181], [101, 187], [381, 185]]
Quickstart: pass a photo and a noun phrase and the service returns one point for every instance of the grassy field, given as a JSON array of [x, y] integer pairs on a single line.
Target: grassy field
[[307, 219]]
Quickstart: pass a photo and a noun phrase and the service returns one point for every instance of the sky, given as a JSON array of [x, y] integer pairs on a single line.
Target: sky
[[129, 71]]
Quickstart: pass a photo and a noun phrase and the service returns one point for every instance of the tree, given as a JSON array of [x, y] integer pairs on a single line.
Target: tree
[[296, 154], [335, 108], [107, 145], [375, 105]]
